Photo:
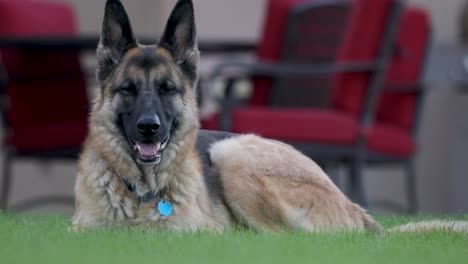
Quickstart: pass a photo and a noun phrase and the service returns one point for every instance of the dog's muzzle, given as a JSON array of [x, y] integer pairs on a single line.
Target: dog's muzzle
[[149, 152]]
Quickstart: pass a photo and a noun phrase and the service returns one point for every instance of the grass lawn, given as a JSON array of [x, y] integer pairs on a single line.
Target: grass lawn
[[45, 239]]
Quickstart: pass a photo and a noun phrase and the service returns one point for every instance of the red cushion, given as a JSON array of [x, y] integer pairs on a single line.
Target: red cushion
[[46, 101], [317, 127], [271, 44], [390, 140], [22, 64], [367, 16], [36, 18], [397, 109], [47, 92], [412, 44], [362, 43], [302, 125], [49, 137], [28, 17], [405, 68], [211, 122]]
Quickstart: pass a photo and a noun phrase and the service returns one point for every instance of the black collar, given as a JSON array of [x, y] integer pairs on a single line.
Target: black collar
[[143, 199]]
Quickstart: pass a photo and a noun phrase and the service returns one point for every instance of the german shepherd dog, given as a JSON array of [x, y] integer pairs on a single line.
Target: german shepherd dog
[[145, 161]]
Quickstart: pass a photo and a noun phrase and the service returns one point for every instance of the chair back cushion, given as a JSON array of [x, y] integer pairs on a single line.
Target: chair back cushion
[[405, 70], [46, 89], [271, 44], [363, 42], [314, 33], [355, 35]]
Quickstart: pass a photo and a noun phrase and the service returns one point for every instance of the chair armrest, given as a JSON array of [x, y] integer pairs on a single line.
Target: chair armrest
[[400, 87], [236, 70], [233, 71], [241, 69], [3, 76]]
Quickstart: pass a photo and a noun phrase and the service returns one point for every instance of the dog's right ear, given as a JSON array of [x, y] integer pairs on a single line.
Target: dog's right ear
[[116, 38], [179, 37]]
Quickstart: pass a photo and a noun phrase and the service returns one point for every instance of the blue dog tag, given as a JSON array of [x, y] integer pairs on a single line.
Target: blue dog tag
[[165, 208]]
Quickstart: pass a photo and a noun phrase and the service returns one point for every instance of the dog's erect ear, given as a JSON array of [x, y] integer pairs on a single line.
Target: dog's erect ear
[[116, 38], [179, 37]]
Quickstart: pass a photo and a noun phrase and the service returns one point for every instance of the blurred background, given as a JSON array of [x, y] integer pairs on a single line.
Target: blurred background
[[424, 62]]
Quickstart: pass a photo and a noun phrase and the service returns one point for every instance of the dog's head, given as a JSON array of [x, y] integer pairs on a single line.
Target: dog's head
[[149, 88]]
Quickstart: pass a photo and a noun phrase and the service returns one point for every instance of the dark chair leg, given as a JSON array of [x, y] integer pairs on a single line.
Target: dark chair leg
[[227, 104], [411, 187], [331, 169], [6, 181], [356, 185]]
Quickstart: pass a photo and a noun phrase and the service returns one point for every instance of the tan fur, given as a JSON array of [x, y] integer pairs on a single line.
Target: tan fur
[[272, 186], [164, 53], [432, 226]]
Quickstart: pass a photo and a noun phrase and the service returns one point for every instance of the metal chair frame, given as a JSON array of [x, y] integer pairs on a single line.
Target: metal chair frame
[[356, 154]]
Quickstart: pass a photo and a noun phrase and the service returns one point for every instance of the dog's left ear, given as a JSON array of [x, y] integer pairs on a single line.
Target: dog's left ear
[[179, 37]]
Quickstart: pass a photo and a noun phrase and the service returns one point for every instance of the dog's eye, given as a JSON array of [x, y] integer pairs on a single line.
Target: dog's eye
[[166, 87], [129, 89]]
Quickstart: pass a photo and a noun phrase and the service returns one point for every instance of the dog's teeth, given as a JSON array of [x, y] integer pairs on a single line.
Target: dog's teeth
[[164, 145]]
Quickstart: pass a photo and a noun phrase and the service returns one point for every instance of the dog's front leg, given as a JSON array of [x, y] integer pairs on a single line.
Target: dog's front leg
[[102, 201]]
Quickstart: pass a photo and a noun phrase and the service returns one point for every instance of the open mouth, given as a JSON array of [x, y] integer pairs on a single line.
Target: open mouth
[[149, 152]]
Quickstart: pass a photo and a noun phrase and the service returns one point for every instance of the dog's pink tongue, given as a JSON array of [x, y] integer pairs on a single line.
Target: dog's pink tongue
[[148, 149]]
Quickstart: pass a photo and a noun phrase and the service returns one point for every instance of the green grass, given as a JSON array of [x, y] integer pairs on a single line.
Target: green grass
[[45, 239]]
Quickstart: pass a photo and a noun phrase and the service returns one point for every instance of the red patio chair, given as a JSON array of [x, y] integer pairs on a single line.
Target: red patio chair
[[45, 101], [334, 50]]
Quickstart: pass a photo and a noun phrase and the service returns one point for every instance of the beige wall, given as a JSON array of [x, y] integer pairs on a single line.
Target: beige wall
[[144, 15], [243, 18], [234, 18], [239, 19], [443, 157], [444, 16], [215, 19]]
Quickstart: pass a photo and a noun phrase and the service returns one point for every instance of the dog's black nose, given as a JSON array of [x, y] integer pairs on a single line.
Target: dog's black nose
[[148, 125]]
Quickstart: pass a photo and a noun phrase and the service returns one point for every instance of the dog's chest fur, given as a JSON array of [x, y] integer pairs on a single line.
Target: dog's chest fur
[[193, 192]]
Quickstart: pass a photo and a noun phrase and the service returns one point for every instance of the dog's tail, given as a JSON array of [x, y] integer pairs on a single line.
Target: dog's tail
[[432, 226]]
